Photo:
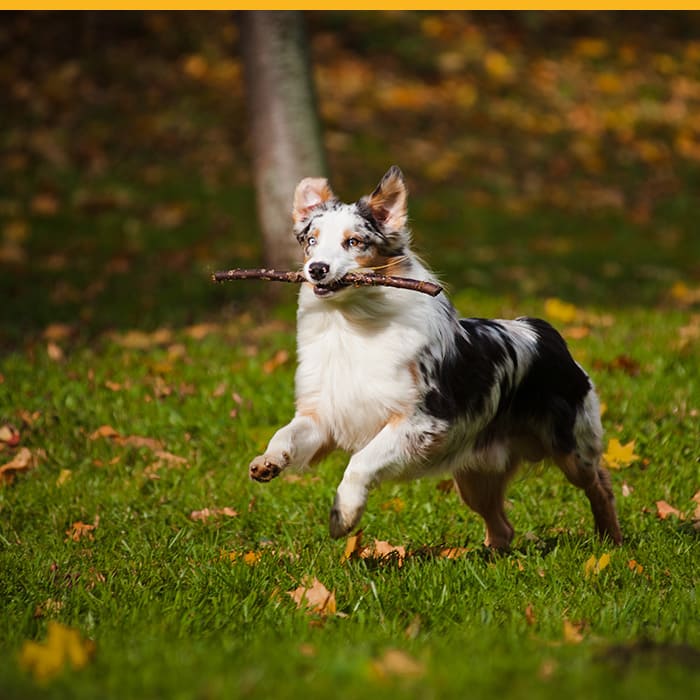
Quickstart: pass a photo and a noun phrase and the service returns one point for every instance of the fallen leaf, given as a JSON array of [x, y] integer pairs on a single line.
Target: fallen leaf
[[58, 331], [48, 607], [279, 358], [594, 566], [573, 632], [382, 550], [635, 567], [560, 311], [626, 489], [618, 456], [395, 662], [23, 461], [63, 647], [252, 558], [665, 510], [54, 351], [63, 477], [353, 546], [530, 615], [454, 552], [576, 332], [79, 530], [314, 597], [107, 431], [9, 435], [395, 504], [209, 513], [104, 431]]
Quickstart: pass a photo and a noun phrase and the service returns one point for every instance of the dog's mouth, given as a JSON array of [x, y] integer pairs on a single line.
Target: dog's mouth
[[326, 290]]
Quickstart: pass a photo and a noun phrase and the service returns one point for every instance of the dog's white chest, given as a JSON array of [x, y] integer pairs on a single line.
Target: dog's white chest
[[355, 378]]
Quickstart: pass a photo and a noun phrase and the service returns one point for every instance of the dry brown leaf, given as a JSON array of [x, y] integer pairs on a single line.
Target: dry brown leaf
[[383, 550], [696, 512], [209, 513], [80, 530], [530, 615], [53, 350], [9, 435], [665, 510], [395, 662], [107, 431], [58, 331], [104, 431], [314, 597], [23, 461], [453, 552], [279, 358]]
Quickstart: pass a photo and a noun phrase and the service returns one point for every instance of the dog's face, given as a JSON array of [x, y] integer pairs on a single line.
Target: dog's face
[[337, 238]]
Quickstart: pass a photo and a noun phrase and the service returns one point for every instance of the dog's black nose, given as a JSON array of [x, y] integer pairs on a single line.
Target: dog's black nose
[[318, 270]]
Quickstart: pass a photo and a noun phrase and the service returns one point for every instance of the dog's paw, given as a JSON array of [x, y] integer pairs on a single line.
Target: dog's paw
[[266, 467], [343, 518]]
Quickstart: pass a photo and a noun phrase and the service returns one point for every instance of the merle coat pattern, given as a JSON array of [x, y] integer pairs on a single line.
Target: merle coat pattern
[[398, 380]]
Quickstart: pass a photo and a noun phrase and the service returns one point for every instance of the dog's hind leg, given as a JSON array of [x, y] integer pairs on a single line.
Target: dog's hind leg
[[595, 482], [294, 445], [484, 492]]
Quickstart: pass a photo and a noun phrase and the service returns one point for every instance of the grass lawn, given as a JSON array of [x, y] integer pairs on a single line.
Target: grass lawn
[[136, 557]]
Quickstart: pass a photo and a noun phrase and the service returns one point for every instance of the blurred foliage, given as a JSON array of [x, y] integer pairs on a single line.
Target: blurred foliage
[[563, 148]]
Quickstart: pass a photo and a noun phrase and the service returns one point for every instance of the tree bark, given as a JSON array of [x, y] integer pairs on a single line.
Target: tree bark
[[284, 127]]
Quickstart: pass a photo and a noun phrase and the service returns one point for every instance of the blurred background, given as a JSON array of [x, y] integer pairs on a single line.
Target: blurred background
[[547, 154]]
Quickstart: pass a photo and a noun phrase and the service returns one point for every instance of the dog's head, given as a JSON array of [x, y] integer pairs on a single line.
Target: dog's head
[[337, 238]]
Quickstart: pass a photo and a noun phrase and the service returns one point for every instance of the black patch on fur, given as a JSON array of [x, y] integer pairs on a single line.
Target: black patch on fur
[[386, 245], [553, 388], [461, 383], [550, 394]]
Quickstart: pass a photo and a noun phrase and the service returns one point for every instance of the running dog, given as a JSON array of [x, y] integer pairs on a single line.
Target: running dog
[[398, 380]]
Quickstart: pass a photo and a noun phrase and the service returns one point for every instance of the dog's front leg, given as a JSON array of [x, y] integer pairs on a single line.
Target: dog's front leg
[[294, 445], [382, 458]]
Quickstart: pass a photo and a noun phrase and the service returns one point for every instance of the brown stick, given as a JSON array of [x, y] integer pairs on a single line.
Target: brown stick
[[351, 279]]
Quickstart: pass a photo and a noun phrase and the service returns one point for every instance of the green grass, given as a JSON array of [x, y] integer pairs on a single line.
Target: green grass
[[171, 614]]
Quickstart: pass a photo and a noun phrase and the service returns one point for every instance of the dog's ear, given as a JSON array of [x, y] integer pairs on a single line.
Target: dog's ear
[[388, 201], [310, 193]]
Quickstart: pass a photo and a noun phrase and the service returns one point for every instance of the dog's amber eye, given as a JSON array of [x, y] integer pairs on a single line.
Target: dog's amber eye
[[353, 242]]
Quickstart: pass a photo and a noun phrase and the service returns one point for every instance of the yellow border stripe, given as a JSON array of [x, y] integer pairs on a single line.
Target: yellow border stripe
[[357, 5]]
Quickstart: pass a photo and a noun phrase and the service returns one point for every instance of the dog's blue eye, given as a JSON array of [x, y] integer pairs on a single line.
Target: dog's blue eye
[[311, 240]]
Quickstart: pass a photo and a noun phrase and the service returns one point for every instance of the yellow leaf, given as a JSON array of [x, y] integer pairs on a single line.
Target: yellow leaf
[[498, 66], [395, 504], [63, 646], [572, 632], [353, 547], [64, 476], [560, 311], [618, 455], [252, 558], [594, 566]]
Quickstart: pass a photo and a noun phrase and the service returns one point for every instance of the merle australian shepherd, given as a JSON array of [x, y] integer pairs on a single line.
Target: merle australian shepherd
[[409, 389]]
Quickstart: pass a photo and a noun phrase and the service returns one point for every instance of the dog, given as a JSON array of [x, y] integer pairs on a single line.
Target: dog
[[395, 378]]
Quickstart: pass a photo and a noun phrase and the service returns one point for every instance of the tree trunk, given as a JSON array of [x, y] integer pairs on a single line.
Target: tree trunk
[[284, 127]]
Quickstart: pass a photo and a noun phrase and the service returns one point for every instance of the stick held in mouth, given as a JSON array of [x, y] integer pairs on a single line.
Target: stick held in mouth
[[351, 279]]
